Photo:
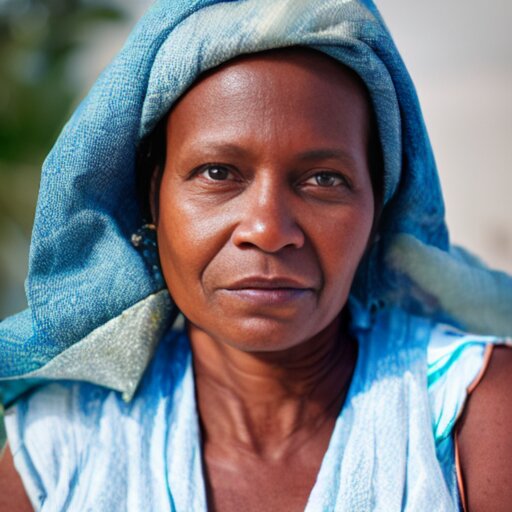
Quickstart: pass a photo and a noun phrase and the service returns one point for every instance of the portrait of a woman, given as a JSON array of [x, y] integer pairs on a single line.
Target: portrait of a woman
[[242, 294]]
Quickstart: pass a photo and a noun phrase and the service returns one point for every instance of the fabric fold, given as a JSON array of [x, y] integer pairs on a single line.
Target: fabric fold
[[85, 272]]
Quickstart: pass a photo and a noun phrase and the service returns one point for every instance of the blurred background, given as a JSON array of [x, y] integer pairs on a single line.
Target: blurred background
[[459, 54]]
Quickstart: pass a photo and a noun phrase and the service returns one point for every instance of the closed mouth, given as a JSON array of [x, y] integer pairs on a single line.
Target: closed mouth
[[264, 291], [269, 284]]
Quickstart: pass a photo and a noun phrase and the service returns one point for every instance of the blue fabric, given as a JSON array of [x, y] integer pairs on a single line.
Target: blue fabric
[[381, 456], [83, 269], [85, 276]]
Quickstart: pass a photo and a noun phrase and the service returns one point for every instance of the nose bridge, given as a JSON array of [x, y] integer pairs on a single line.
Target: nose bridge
[[268, 216], [270, 197]]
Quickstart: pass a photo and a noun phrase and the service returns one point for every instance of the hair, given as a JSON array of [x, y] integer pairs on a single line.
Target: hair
[[150, 163]]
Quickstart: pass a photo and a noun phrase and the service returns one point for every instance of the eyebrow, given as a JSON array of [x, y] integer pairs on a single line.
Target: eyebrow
[[309, 155], [232, 149], [327, 154]]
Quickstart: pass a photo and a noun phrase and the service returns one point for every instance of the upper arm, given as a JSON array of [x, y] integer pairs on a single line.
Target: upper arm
[[12, 492], [485, 438]]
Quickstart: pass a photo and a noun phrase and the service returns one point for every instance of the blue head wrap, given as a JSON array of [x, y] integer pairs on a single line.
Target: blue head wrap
[[97, 305]]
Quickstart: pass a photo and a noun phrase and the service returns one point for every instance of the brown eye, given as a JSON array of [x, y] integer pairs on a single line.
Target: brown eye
[[216, 172], [325, 179]]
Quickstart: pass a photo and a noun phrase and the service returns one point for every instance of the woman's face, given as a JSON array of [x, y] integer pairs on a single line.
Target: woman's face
[[266, 203]]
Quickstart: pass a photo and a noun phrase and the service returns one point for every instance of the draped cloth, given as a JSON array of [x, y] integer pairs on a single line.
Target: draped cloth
[[81, 447], [96, 304]]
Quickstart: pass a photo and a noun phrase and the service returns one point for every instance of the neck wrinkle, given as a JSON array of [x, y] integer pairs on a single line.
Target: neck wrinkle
[[270, 404]]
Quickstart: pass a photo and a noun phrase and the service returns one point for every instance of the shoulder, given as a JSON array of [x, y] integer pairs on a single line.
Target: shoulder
[[485, 437], [12, 492]]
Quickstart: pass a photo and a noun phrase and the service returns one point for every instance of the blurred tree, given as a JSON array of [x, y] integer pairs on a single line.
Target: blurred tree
[[39, 41]]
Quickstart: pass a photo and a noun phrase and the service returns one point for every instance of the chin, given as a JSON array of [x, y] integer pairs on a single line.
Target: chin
[[263, 334]]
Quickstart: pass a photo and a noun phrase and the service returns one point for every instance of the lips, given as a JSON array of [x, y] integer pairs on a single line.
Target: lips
[[269, 291], [268, 283]]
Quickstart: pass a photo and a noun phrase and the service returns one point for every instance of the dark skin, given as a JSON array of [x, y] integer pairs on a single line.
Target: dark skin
[[485, 438], [12, 492], [266, 208], [268, 178]]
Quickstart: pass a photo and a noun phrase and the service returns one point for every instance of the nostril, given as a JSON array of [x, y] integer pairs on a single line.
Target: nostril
[[270, 236]]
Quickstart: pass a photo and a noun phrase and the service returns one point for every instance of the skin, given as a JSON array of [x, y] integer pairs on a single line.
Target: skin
[[259, 253], [272, 127], [12, 492], [266, 209], [485, 438]]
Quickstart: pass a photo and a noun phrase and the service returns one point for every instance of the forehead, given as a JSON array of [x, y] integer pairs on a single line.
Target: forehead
[[289, 90]]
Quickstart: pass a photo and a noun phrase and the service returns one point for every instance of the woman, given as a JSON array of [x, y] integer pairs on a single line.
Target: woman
[[299, 227]]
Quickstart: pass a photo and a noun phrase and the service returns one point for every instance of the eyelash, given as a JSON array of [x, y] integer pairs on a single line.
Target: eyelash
[[207, 168], [339, 178]]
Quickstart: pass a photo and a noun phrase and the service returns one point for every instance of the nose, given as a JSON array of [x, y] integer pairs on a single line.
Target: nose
[[268, 219]]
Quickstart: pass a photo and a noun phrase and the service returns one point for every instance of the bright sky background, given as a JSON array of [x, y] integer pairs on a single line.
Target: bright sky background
[[459, 54]]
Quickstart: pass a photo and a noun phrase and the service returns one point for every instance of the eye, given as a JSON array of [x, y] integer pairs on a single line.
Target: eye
[[326, 179], [216, 172]]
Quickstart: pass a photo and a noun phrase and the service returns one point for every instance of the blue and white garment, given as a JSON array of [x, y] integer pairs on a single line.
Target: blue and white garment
[[97, 306], [81, 447]]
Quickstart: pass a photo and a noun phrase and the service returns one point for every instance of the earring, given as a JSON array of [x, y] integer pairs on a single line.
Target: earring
[[144, 240], [144, 236]]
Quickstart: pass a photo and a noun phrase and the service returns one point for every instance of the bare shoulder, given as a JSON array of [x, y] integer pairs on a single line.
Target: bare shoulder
[[485, 438], [12, 492]]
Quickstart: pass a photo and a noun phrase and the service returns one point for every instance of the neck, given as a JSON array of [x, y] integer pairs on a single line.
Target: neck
[[269, 404]]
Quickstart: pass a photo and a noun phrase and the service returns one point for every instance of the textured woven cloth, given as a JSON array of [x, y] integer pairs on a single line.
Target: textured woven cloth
[[81, 447], [85, 274], [97, 308]]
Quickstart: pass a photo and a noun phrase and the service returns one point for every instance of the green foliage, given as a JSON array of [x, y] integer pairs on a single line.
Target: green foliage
[[38, 40]]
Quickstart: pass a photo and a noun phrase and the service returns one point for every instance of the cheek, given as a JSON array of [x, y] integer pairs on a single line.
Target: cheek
[[341, 247], [196, 253], [189, 237]]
